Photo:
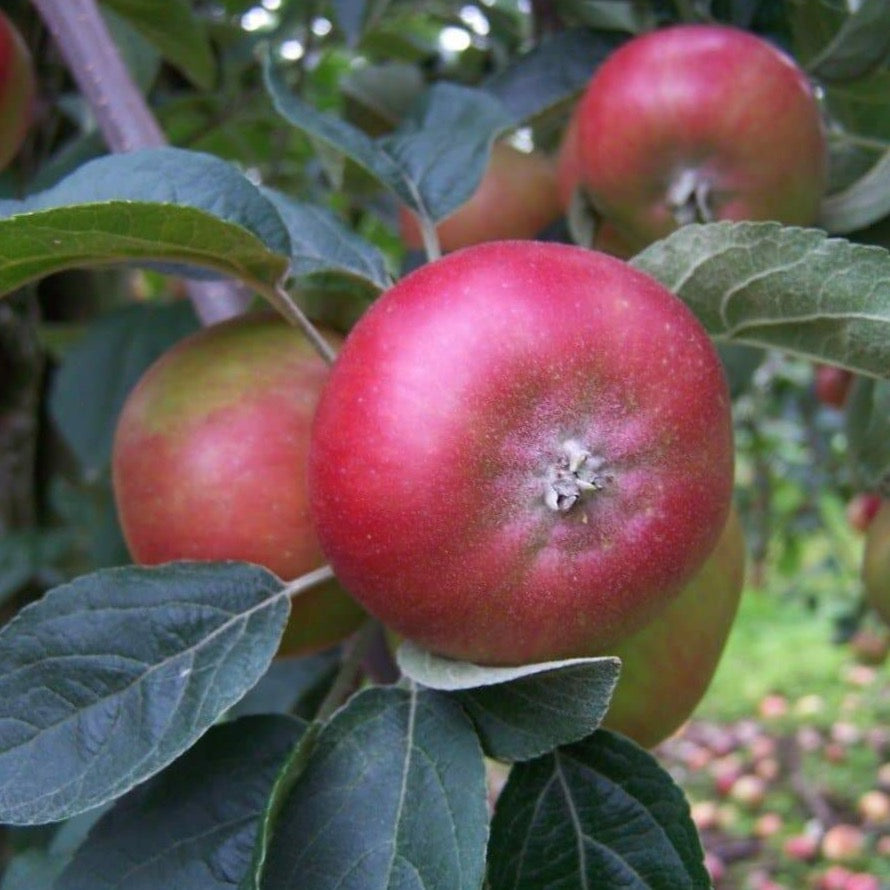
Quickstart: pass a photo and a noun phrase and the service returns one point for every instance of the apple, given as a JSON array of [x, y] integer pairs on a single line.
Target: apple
[[570, 189], [667, 666], [516, 198], [862, 509], [835, 878], [832, 384], [874, 806], [209, 463], [524, 452], [17, 90], [876, 563], [843, 843], [695, 123], [801, 847], [749, 791]]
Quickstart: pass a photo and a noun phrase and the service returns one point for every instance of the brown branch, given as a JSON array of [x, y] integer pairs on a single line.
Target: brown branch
[[124, 118]]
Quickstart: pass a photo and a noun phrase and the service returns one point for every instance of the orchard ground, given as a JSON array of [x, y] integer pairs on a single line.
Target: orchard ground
[[797, 711]]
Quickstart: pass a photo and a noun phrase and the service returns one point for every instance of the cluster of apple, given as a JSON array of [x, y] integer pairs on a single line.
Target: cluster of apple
[[524, 450], [17, 90]]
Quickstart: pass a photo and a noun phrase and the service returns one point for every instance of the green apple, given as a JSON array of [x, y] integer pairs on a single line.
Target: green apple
[[668, 665]]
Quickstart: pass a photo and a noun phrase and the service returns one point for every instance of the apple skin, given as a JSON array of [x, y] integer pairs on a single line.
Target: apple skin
[[209, 459], [667, 667], [516, 198], [876, 563], [862, 509], [569, 178], [701, 106], [832, 384], [457, 399], [17, 90]]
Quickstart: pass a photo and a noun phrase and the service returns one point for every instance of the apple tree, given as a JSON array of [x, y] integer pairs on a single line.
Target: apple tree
[[367, 448]]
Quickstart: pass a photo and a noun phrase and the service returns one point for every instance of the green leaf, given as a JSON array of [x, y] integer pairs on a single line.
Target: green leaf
[[859, 205], [288, 685], [521, 712], [601, 813], [861, 43], [113, 676], [178, 34], [320, 242], [192, 827], [38, 869], [159, 204], [444, 143], [393, 796], [770, 285], [868, 432], [96, 375], [432, 162], [557, 69]]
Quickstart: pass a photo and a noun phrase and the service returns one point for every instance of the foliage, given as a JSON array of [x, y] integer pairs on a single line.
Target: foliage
[[296, 130]]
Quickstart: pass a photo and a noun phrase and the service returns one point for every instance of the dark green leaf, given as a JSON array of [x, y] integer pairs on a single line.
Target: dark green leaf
[[525, 711], [38, 869], [444, 143], [435, 159], [193, 826], [601, 813], [159, 204], [859, 205], [287, 683], [868, 432], [862, 43], [179, 35], [740, 363], [393, 796], [794, 289], [113, 676], [97, 374], [555, 70], [320, 242]]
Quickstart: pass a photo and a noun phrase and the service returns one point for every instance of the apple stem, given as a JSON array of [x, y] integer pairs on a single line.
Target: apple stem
[[354, 651], [689, 198], [575, 475], [123, 116], [295, 315], [430, 238]]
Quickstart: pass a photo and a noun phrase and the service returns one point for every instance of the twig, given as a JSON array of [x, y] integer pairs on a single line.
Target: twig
[[124, 118]]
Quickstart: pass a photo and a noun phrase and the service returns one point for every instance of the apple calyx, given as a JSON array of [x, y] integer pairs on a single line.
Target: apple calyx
[[575, 475], [689, 199]]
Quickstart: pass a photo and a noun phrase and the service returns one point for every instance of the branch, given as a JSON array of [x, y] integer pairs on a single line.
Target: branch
[[124, 118]]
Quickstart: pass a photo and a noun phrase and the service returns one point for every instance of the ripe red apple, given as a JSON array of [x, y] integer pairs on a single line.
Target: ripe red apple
[[876, 563], [832, 384], [17, 90], [801, 847], [516, 198], [667, 666], [569, 176], [870, 646], [698, 123], [524, 452], [209, 463], [862, 509]]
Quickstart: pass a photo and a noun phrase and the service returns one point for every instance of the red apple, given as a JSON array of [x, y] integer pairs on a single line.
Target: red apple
[[209, 463], [862, 509], [569, 172], [699, 123], [499, 472], [801, 847], [17, 90], [832, 384], [870, 646], [516, 198], [668, 665]]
